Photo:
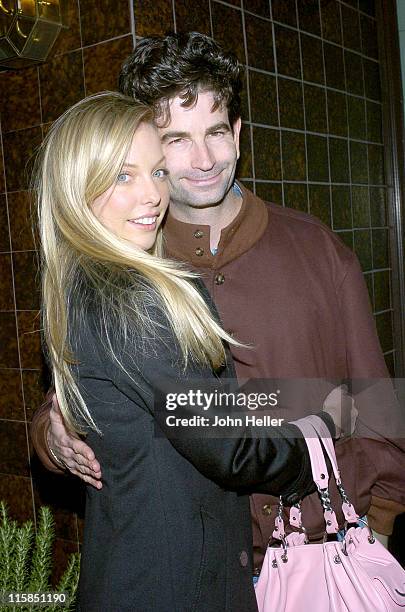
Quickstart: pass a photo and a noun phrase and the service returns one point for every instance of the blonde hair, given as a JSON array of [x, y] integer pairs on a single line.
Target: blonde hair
[[83, 261]]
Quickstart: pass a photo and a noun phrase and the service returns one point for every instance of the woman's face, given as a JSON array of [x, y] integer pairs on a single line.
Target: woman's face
[[134, 206]]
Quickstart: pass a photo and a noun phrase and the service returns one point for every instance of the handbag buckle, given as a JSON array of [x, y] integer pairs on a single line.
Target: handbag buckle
[[371, 537]]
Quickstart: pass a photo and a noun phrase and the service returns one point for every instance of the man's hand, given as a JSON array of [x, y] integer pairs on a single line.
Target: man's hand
[[70, 451], [340, 405]]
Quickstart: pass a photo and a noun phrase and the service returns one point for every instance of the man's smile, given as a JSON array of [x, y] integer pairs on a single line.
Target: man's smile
[[204, 181]]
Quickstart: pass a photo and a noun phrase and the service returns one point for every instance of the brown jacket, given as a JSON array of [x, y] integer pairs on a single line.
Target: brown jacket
[[284, 283]]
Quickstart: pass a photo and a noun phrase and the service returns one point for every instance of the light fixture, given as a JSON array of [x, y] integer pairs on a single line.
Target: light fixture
[[28, 29]]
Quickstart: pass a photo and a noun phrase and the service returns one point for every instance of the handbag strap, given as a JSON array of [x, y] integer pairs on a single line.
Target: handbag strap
[[322, 430], [317, 436], [320, 473], [279, 531], [323, 433], [316, 433]]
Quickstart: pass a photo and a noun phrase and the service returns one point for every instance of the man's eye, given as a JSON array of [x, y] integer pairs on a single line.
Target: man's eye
[[123, 177], [176, 141], [161, 173], [217, 133]]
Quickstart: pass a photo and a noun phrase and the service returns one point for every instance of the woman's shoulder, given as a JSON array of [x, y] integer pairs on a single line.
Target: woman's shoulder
[[141, 339], [112, 333]]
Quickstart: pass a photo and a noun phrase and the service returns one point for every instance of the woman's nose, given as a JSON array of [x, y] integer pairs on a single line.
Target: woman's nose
[[150, 193]]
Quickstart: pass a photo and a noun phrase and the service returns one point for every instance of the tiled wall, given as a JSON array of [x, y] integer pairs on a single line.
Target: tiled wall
[[312, 140]]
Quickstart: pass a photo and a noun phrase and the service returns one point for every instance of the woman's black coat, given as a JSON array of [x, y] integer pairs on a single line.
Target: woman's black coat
[[170, 529]]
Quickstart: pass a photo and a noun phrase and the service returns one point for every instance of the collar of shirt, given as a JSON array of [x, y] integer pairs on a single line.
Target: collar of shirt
[[237, 191], [191, 243]]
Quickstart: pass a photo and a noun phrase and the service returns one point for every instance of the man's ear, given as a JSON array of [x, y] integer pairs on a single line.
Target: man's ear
[[236, 132]]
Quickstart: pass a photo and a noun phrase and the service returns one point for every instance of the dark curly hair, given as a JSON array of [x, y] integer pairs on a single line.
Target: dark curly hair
[[161, 68]]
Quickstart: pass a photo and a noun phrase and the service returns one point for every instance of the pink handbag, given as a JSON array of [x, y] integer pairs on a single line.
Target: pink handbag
[[356, 574]]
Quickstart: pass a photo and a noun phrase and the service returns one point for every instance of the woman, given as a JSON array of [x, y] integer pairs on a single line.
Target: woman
[[170, 529]]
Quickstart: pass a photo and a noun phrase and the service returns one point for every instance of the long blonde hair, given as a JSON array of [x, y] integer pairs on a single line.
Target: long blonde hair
[[83, 261]]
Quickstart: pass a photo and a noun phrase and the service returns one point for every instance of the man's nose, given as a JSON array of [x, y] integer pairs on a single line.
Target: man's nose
[[202, 158]]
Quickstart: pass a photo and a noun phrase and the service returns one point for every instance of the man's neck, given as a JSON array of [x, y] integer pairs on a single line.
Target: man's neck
[[217, 217]]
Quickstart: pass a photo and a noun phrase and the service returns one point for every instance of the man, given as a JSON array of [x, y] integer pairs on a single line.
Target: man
[[282, 282]]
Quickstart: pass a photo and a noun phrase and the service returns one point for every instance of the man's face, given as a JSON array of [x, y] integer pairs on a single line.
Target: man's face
[[201, 151]]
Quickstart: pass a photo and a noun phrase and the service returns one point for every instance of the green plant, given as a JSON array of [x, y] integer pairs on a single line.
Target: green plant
[[26, 563]]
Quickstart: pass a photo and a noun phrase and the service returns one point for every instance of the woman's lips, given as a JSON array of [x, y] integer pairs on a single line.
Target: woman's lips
[[144, 223]]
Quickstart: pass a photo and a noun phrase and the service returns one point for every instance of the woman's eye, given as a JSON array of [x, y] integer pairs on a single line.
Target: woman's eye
[[123, 177], [161, 173]]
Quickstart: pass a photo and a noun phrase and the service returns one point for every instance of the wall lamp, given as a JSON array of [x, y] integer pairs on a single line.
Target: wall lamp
[[28, 29]]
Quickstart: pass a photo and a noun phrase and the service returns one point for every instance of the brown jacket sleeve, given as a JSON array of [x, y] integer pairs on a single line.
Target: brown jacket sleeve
[[366, 361], [382, 513], [39, 430], [388, 492]]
